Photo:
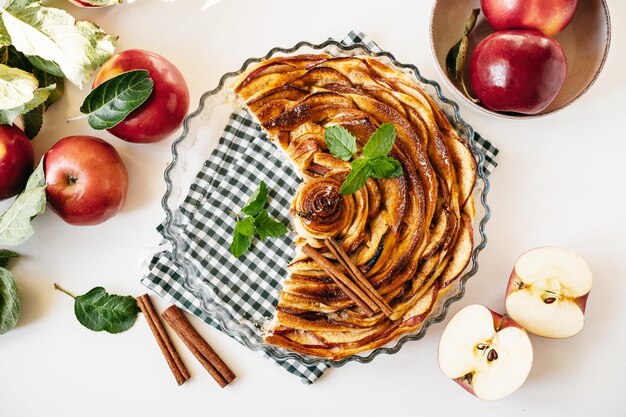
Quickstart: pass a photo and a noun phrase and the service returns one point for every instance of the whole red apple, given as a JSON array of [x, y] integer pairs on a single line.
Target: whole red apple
[[86, 180], [16, 160], [518, 71], [547, 16], [164, 111]]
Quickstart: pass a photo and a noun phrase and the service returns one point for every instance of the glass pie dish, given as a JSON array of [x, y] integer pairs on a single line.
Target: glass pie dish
[[202, 131]]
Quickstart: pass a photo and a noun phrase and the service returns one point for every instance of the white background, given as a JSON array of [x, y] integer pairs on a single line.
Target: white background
[[560, 181]]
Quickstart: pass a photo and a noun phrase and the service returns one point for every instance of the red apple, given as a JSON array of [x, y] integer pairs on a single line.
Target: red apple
[[100, 3], [16, 160], [86, 180], [548, 291], [547, 16], [518, 71], [164, 111], [488, 354]]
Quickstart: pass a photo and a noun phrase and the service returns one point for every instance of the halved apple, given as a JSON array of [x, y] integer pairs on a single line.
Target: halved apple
[[488, 354], [548, 290]]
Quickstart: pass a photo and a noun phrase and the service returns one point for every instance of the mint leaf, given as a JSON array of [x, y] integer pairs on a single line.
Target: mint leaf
[[340, 142], [268, 227], [381, 142], [15, 222], [9, 301], [257, 201], [5, 256], [245, 226], [242, 237], [56, 38], [357, 177], [110, 102], [98, 310], [385, 167]]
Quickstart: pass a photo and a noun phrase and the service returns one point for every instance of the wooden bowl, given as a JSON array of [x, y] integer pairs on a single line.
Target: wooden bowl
[[585, 42]]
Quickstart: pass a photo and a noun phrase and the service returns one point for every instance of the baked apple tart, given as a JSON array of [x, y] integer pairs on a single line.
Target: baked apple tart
[[410, 236]]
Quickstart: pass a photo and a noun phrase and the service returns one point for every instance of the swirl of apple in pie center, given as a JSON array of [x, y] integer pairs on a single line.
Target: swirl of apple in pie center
[[320, 210]]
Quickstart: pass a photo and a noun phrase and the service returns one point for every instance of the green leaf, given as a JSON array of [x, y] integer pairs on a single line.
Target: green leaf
[[268, 227], [385, 167], [341, 143], [245, 226], [257, 201], [357, 177], [5, 256], [53, 35], [381, 142], [15, 222], [16, 87], [9, 302], [33, 121], [455, 60], [98, 310], [242, 237], [40, 97], [110, 102], [13, 58], [46, 66]]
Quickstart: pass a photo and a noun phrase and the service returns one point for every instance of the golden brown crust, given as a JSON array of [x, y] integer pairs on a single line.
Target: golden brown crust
[[410, 236]]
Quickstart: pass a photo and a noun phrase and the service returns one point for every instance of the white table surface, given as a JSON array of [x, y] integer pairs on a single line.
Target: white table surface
[[559, 182]]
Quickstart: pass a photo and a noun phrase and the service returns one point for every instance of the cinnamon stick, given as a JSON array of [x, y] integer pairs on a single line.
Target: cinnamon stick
[[163, 339], [347, 286], [358, 277], [198, 346]]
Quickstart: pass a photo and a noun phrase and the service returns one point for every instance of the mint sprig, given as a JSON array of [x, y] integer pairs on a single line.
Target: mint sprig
[[257, 222], [374, 162]]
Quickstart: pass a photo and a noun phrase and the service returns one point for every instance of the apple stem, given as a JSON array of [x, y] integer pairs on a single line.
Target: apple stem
[[75, 118], [501, 322], [63, 290]]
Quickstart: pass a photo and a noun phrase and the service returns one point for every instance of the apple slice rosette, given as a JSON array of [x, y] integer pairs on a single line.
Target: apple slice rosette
[[548, 290]]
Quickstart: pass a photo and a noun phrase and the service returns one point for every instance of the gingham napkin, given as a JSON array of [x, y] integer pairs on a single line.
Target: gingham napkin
[[248, 287]]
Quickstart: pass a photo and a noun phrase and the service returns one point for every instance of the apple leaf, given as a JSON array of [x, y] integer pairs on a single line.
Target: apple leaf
[[16, 87], [33, 121], [455, 60], [15, 225], [110, 102], [39, 98], [98, 310], [9, 301], [56, 39], [5, 257]]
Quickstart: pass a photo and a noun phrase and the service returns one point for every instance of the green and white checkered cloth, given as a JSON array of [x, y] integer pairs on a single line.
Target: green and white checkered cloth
[[247, 287]]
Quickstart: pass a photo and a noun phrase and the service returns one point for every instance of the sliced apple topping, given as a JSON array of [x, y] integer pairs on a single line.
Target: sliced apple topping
[[548, 290], [486, 353]]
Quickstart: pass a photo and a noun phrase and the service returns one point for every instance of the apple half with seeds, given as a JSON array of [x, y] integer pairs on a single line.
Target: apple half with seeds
[[548, 290], [488, 354]]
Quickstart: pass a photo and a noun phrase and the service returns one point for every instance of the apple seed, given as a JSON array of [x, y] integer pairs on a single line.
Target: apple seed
[[549, 300], [492, 355]]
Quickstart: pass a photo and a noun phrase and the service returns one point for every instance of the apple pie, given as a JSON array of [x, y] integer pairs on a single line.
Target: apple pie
[[410, 236]]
